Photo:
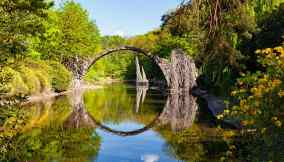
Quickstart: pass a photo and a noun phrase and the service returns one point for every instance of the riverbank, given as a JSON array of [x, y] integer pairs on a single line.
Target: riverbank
[[49, 95]]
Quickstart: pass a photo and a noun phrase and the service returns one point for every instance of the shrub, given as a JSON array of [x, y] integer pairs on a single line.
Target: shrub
[[11, 83], [52, 74], [32, 77], [31, 80], [41, 71], [261, 93], [60, 76]]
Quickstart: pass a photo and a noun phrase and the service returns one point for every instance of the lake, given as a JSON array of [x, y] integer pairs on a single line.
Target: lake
[[116, 123]]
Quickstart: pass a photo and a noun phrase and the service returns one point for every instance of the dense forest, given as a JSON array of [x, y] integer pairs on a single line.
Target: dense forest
[[237, 45]]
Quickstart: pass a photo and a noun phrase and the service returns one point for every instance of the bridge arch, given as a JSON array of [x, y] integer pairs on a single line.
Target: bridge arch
[[179, 70], [136, 51], [81, 118]]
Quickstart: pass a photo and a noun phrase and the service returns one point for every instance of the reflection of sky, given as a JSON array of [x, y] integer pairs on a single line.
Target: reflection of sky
[[145, 147], [150, 158]]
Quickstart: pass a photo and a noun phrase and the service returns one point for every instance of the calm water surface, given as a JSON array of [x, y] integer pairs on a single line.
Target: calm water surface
[[117, 123]]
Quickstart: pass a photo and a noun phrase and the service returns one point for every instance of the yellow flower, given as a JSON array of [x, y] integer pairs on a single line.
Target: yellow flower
[[226, 111], [263, 80], [263, 130], [267, 51], [281, 93], [279, 49], [242, 103], [220, 116], [274, 118], [278, 123], [229, 134], [247, 122], [253, 90], [276, 82], [233, 93]]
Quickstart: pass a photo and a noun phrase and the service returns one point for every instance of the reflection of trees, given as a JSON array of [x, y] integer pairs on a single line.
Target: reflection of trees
[[116, 103], [259, 147], [45, 132], [196, 143], [80, 118], [186, 140], [111, 103], [40, 136], [179, 111], [55, 144]]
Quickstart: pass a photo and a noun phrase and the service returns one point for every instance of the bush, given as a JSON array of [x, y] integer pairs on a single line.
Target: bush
[[165, 46], [261, 93], [11, 83], [60, 77], [31, 80], [52, 74], [30, 77], [41, 71]]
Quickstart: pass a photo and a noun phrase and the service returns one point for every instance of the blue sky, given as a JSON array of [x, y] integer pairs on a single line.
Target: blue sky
[[127, 17]]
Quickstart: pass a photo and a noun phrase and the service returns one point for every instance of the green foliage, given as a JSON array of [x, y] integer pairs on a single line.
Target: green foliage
[[11, 83], [164, 47], [271, 29], [30, 33], [20, 20], [115, 104], [117, 65], [80, 36], [60, 77], [261, 7], [28, 135], [261, 93], [223, 34], [32, 77]]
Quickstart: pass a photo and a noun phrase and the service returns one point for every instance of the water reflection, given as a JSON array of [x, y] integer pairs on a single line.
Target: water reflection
[[150, 158], [141, 92], [79, 117], [37, 134], [115, 123], [179, 111]]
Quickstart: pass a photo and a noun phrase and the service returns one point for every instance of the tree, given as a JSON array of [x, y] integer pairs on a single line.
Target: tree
[[20, 20], [80, 35]]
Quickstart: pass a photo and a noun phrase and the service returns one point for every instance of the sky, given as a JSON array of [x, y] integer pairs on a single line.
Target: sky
[[127, 17]]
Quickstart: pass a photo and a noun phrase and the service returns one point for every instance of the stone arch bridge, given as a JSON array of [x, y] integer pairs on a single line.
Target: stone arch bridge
[[179, 70]]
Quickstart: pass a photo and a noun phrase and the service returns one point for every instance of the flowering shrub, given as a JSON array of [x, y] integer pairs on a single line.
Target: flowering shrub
[[261, 94]]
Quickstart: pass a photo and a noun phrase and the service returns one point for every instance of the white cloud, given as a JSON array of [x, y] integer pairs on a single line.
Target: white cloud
[[119, 33]]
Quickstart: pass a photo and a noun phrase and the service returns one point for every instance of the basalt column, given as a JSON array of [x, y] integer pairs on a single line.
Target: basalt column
[[180, 71]]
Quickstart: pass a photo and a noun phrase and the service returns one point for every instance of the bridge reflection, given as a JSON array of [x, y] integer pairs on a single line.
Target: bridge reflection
[[179, 113]]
